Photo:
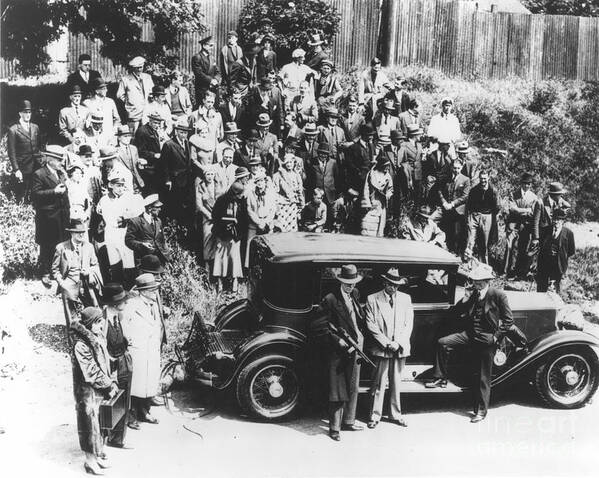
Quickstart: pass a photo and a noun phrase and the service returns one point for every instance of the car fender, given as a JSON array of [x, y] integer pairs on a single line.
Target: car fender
[[542, 346], [228, 315], [275, 340]]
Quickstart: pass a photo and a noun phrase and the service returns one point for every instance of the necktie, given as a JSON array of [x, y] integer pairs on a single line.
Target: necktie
[[391, 301]]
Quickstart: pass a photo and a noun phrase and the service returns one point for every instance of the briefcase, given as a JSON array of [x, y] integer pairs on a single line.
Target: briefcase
[[113, 410]]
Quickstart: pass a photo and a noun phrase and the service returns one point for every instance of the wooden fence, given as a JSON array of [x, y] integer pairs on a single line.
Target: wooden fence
[[452, 36], [461, 41]]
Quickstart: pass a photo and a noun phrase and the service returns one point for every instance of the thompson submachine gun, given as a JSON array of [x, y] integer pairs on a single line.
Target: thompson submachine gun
[[342, 334]]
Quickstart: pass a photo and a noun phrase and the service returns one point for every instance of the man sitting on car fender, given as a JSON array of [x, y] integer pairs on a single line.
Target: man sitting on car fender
[[489, 319]]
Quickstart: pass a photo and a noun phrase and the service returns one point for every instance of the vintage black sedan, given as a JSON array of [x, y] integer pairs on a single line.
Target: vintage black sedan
[[261, 348]]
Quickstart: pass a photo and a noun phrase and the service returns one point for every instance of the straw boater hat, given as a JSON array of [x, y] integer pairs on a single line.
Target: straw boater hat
[[255, 160], [123, 130], [324, 148], [241, 172], [116, 176], [260, 175], [310, 129], [481, 272], [54, 151], [463, 147], [155, 117], [315, 40], [97, 118], [76, 225], [152, 200], [328, 62], [137, 62], [349, 274], [392, 275], [263, 120], [146, 281]]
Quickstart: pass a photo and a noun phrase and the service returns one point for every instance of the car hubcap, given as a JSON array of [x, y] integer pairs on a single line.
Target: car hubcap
[[569, 378], [274, 390]]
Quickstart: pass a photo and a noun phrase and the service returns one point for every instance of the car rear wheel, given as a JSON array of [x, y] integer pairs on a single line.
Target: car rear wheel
[[269, 387], [568, 378]]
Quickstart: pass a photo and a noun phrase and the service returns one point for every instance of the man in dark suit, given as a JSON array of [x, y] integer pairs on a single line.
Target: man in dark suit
[[147, 141], [333, 134], [205, 70], [144, 233], [401, 98], [409, 158], [266, 99], [409, 117], [229, 54], [323, 173], [23, 148], [489, 318], [234, 111], [556, 248], [129, 157], [342, 309], [359, 159], [84, 76], [352, 120], [51, 202], [452, 212], [242, 156], [543, 212], [176, 170]]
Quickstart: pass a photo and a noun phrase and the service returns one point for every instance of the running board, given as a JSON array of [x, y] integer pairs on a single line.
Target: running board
[[419, 386]]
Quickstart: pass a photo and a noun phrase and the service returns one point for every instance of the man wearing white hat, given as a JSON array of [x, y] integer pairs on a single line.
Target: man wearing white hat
[[99, 104], [488, 317], [445, 125], [292, 74], [390, 320], [316, 54], [134, 91]]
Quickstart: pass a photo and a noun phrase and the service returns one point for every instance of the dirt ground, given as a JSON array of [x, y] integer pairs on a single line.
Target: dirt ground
[[201, 434]]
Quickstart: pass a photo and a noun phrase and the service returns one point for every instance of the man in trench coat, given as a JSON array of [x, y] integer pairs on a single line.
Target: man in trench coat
[[342, 309]]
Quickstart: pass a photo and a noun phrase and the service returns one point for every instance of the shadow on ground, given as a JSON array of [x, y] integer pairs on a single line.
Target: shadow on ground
[[52, 336]]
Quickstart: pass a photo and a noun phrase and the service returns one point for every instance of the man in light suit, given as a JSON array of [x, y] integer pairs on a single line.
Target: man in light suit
[[342, 309], [134, 91], [352, 120], [72, 117], [389, 319], [128, 156], [373, 85]]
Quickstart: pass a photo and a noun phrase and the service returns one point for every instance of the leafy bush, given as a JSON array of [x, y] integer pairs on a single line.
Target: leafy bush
[[291, 22], [19, 250], [543, 98]]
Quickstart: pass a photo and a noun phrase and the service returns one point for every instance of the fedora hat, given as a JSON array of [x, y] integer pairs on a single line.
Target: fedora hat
[[107, 152], [324, 148], [349, 274], [137, 61], [76, 225], [481, 272], [366, 130], [91, 315], [260, 175], [556, 188], [85, 150], [310, 129], [382, 161], [146, 281], [447, 100], [315, 40], [332, 111], [255, 160], [241, 172], [527, 178], [205, 40], [98, 83], [253, 135], [263, 120], [375, 61], [182, 125], [75, 90], [155, 117], [150, 263], [158, 90], [152, 200], [231, 127], [463, 147], [392, 275], [116, 176], [396, 134], [25, 105], [113, 293], [291, 143], [414, 130], [123, 130], [54, 151]]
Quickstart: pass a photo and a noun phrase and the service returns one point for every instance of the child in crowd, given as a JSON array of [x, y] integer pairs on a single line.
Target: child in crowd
[[314, 214]]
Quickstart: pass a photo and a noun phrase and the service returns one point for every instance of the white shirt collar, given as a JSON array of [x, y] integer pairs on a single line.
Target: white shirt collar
[[148, 217], [482, 294], [24, 125]]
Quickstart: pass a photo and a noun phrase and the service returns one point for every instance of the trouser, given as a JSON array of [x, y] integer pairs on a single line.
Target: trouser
[[482, 363], [517, 260], [45, 258], [479, 228], [140, 406], [548, 271], [345, 411], [22, 189], [118, 433], [387, 369], [454, 227]]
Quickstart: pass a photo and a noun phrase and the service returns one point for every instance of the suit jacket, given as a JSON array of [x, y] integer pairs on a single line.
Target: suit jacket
[[496, 312], [274, 108], [305, 111], [521, 209], [401, 101], [130, 158], [333, 309], [76, 79], [543, 214], [69, 119], [52, 210], [23, 148], [439, 166], [205, 70], [367, 86], [385, 125], [328, 179], [148, 144], [184, 99], [405, 119], [176, 164], [268, 145], [313, 59], [565, 249], [358, 161], [134, 94], [351, 124], [239, 117], [237, 53], [139, 231], [334, 136], [471, 169], [265, 62], [455, 191], [387, 324], [66, 259]]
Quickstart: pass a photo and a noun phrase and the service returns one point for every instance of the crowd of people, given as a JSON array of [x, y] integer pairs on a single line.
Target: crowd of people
[[266, 148]]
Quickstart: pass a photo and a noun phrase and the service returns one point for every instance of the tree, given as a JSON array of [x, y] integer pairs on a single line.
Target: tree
[[29, 25], [290, 23], [581, 8]]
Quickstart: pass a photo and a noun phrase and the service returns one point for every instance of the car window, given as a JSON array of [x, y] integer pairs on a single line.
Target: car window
[[288, 286]]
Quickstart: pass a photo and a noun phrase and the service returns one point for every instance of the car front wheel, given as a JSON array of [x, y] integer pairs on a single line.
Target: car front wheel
[[269, 387], [568, 378]]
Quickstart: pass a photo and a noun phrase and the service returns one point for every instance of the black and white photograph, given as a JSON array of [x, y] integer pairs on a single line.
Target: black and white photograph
[[310, 238]]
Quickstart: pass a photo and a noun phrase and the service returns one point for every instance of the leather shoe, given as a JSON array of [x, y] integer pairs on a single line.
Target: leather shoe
[[92, 469], [479, 417], [149, 419], [47, 281], [437, 383], [372, 424], [335, 435], [157, 400], [399, 421], [352, 428], [134, 425], [122, 446]]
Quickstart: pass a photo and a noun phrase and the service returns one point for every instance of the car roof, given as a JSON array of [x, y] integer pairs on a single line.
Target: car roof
[[294, 247]]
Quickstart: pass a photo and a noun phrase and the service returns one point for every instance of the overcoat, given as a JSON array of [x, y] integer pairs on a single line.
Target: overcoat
[[23, 148], [139, 231], [52, 210]]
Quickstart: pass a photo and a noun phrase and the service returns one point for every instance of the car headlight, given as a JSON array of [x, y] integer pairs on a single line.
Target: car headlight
[[570, 317]]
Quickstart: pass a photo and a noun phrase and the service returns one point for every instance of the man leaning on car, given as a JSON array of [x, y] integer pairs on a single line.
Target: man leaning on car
[[489, 318]]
